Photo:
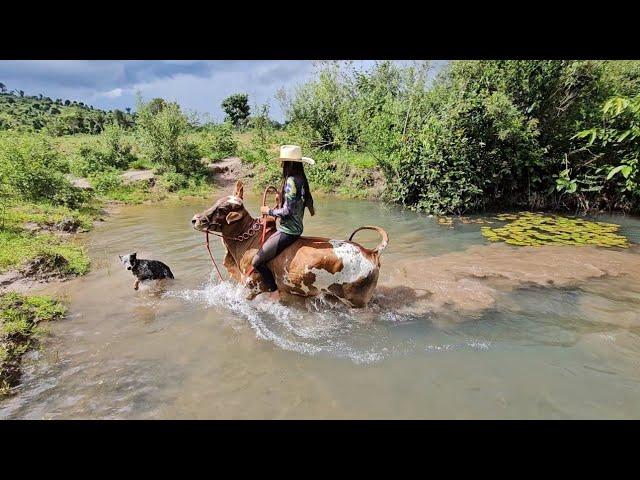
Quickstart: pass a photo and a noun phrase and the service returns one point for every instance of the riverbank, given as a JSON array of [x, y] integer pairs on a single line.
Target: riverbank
[[21, 329]]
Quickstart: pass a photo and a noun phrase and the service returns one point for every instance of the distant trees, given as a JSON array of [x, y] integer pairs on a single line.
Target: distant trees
[[237, 109], [3, 87]]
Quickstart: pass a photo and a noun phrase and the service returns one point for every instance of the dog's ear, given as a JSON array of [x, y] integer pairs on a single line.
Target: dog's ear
[[133, 256], [239, 190], [120, 257], [233, 217]]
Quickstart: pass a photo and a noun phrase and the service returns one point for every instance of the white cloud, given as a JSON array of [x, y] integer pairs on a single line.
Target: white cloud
[[115, 93]]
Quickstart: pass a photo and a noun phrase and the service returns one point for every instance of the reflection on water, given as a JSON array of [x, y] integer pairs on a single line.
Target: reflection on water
[[457, 329]]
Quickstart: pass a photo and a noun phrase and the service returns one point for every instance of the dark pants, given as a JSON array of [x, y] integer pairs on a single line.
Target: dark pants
[[275, 244]]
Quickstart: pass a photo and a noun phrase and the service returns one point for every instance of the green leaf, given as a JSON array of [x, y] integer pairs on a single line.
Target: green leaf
[[626, 171], [624, 135], [615, 170]]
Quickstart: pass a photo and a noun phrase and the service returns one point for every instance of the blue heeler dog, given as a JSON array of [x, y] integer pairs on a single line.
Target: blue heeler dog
[[145, 269]]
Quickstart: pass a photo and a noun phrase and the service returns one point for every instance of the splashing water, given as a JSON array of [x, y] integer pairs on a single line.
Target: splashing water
[[313, 326]]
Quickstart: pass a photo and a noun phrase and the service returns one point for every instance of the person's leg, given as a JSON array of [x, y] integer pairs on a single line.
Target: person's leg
[[266, 253], [270, 249]]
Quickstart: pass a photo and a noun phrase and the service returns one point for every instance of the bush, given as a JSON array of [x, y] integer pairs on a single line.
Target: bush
[[117, 148], [163, 139], [218, 142], [173, 181], [105, 181], [32, 171]]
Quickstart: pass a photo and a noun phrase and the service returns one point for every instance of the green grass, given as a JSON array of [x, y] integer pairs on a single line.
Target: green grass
[[49, 215], [18, 246], [20, 328]]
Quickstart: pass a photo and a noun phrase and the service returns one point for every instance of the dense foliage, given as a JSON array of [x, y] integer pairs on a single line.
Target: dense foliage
[[483, 134]]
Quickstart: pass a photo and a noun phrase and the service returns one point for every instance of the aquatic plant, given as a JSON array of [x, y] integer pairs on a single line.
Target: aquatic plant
[[535, 229]]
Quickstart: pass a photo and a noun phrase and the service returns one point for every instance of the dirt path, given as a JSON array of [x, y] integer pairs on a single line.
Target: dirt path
[[227, 171]]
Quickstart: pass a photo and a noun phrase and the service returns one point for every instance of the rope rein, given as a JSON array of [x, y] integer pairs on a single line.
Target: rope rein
[[256, 225]]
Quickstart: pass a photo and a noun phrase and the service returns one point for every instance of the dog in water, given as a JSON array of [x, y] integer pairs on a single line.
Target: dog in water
[[145, 269]]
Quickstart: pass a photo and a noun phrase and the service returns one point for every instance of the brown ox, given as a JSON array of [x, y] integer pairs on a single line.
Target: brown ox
[[308, 267]]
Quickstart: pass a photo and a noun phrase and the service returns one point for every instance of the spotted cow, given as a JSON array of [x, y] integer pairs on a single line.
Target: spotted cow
[[309, 267]]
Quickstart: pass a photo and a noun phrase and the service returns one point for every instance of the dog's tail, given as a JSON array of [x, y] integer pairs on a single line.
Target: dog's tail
[[385, 238]]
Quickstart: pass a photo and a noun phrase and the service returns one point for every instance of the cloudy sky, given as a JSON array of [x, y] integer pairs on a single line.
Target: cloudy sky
[[197, 85]]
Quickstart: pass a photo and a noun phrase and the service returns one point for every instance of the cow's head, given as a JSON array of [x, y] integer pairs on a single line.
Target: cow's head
[[225, 212]]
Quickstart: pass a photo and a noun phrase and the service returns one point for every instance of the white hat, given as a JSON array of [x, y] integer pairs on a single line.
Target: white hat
[[293, 153]]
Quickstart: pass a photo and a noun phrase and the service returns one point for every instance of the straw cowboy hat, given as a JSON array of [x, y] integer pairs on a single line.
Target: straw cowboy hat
[[293, 153]]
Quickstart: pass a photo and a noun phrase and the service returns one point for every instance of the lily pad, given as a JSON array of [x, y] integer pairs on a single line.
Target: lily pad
[[535, 229]]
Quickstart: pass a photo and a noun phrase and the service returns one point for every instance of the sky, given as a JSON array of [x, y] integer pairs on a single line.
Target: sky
[[197, 85]]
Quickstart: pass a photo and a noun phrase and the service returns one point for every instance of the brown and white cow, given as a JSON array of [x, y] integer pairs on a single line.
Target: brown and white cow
[[308, 267]]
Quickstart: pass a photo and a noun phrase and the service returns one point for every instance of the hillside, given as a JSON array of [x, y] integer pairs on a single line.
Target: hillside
[[58, 117]]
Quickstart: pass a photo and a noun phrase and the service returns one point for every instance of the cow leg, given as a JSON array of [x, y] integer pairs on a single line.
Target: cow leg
[[230, 264]]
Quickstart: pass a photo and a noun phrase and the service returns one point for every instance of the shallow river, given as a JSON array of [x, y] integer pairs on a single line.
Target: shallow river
[[458, 328]]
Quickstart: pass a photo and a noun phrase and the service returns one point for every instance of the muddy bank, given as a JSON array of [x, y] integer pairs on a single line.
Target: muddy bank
[[20, 331], [473, 279]]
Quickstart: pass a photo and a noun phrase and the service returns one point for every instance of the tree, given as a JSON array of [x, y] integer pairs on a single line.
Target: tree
[[237, 108], [120, 119], [3, 87], [156, 105]]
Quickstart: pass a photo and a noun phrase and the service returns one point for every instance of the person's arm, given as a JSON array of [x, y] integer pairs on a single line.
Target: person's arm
[[290, 193]]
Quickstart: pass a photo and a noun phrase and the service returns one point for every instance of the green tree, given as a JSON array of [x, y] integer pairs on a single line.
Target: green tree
[[237, 109], [163, 138]]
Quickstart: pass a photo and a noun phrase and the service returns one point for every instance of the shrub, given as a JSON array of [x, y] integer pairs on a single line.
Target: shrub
[[105, 181], [117, 148], [218, 142], [33, 171], [163, 139], [173, 181]]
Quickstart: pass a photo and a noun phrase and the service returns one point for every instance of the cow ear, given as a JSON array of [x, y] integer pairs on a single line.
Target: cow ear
[[239, 190], [233, 217]]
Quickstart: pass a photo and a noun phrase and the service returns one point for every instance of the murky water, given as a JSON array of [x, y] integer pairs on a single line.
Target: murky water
[[457, 329]]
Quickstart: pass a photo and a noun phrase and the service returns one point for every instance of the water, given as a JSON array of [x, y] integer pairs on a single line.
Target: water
[[457, 329]]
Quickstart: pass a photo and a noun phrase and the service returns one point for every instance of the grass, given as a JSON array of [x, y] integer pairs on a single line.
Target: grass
[[18, 246], [20, 328], [49, 215]]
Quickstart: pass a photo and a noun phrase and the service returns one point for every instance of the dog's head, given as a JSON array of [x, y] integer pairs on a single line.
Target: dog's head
[[226, 211], [129, 261]]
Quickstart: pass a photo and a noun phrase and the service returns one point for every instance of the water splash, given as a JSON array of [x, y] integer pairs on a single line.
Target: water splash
[[312, 326]]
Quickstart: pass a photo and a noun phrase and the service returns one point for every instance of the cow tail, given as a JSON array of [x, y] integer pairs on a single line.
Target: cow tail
[[385, 238]]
